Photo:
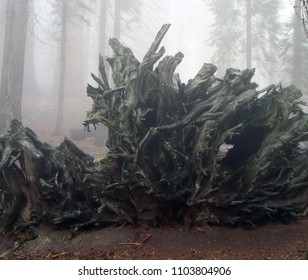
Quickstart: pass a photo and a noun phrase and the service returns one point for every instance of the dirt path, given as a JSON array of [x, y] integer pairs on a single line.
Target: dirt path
[[274, 241]]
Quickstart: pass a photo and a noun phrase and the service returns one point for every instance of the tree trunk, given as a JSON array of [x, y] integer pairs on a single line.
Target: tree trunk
[[117, 19], [102, 27], [30, 86], [2, 27], [297, 42], [102, 32], [75, 78], [59, 124], [13, 62], [248, 34]]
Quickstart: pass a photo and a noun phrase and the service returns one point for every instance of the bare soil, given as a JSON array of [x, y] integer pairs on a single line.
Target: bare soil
[[273, 241]]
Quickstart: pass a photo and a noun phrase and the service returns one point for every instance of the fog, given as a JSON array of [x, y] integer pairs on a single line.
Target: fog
[[191, 32]]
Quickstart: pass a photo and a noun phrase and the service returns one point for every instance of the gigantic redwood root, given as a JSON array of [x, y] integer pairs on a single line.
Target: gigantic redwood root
[[212, 151]]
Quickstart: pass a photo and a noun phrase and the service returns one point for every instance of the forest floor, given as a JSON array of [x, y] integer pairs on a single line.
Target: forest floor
[[272, 241]]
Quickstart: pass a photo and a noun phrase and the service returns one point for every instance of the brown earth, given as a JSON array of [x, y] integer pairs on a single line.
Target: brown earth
[[273, 241]]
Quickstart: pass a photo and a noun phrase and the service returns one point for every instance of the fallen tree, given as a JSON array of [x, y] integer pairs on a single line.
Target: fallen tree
[[212, 151]]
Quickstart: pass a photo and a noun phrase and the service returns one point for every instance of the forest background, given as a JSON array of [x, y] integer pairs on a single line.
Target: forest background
[[59, 42]]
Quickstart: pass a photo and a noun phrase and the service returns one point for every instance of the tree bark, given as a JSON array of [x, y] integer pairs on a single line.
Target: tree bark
[[13, 62], [76, 60], [102, 32], [30, 86], [248, 35], [297, 49], [62, 71], [117, 19], [102, 28], [2, 27]]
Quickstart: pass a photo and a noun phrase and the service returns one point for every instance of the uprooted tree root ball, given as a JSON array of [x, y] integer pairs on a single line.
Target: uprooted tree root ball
[[212, 151]]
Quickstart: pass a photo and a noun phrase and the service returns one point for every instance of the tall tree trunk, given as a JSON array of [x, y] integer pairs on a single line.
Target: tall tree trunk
[[30, 86], [102, 27], [297, 41], [13, 62], [86, 50], [75, 78], [102, 31], [62, 68], [2, 26], [248, 34], [117, 19]]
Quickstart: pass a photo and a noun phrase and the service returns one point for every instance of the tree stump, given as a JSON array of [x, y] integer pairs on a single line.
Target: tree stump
[[212, 151]]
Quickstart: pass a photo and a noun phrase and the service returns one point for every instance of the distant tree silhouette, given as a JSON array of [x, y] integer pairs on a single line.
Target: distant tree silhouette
[[245, 34], [13, 62]]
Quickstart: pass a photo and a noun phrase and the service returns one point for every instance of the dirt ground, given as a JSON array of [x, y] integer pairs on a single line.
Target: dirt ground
[[272, 241]]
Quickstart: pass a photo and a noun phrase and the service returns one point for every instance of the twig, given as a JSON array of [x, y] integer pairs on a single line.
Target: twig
[[52, 256], [145, 239]]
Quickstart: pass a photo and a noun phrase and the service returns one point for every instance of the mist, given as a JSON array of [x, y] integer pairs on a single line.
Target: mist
[[196, 31]]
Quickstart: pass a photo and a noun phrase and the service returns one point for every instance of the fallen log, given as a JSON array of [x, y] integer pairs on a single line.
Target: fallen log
[[212, 151]]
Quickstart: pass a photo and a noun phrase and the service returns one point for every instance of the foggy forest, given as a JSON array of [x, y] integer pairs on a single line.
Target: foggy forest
[[204, 31], [117, 112]]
